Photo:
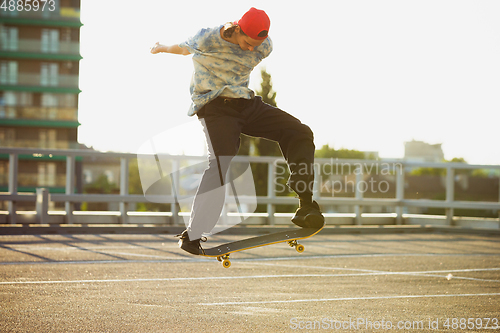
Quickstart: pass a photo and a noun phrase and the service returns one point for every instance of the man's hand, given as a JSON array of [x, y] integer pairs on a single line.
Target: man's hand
[[174, 49], [156, 48]]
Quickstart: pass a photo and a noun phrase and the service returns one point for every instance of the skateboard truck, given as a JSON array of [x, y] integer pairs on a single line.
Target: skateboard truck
[[298, 247], [225, 260]]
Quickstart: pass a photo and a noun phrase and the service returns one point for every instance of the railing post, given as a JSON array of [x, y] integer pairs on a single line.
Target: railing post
[[175, 207], [358, 209], [223, 216], [70, 187], [450, 193], [317, 182], [42, 205], [271, 189], [124, 187], [13, 168], [400, 192]]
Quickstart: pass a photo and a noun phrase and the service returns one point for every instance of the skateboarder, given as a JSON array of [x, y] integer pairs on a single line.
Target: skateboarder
[[223, 59]]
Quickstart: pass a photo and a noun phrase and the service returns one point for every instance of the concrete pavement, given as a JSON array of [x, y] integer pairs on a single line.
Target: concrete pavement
[[144, 283]]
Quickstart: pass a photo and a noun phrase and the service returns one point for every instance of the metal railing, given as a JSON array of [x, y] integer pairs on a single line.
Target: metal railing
[[396, 168]]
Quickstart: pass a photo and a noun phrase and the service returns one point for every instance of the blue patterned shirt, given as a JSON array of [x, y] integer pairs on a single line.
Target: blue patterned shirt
[[221, 67]]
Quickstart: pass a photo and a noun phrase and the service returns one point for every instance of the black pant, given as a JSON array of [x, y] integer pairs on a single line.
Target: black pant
[[223, 122]]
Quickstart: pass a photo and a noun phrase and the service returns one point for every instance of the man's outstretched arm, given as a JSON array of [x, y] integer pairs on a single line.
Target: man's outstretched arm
[[174, 49]]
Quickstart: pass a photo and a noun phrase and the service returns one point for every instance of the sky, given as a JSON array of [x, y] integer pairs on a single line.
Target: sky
[[363, 74]]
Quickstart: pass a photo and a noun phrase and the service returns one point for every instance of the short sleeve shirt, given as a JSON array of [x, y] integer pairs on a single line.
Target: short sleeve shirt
[[221, 67]]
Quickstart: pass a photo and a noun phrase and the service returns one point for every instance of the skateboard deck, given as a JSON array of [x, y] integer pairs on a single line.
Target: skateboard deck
[[290, 236]]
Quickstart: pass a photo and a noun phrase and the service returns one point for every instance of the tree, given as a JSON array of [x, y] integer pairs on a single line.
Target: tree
[[424, 171], [101, 185], [327, 152], [266, 147], [260, 146], [267, 93]]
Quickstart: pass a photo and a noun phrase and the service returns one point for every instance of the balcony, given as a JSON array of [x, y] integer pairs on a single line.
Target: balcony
[[37, 180], [39, 113], [30, 180], [61, 16], [38, 144], [36, 49], [62, 83]]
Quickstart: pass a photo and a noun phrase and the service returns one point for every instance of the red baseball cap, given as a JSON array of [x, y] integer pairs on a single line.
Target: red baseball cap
[[255, 24]]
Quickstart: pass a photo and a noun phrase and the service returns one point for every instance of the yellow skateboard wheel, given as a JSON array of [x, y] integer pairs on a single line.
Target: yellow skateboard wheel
[[300, 248], [226, 263]]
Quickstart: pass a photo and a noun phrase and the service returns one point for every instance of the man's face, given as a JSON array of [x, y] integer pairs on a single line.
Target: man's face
[[246, 43]]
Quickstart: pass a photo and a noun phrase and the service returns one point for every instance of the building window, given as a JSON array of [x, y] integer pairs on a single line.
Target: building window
[[49, 106], [25, 99], [49, 100], [3, 173], [66, 34], [7, 104], [67, 101], [47, 138], [87, 176], [7, 137], [9, 38], [8, 72], [110, 176], [50, 41], [49, 74], [46, 174], [10, 98]]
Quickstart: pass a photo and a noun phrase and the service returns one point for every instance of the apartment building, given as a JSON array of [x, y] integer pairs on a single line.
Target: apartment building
[[39, 67], [420, 151]]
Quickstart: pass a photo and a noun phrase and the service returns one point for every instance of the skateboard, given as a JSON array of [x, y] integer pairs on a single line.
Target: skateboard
[[290, 236]]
